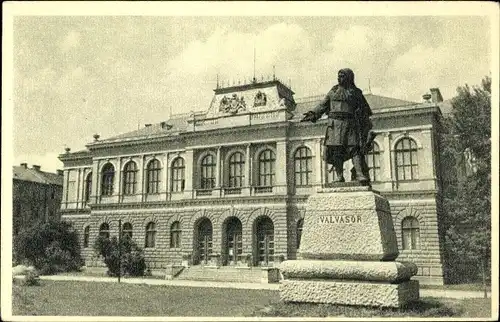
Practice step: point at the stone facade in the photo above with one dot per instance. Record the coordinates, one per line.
(258, 219)
(36, 195)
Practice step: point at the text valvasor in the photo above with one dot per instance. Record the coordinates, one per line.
(340, 219)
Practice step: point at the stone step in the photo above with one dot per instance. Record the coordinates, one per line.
(221, 274)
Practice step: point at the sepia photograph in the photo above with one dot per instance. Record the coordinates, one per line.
(249, 160)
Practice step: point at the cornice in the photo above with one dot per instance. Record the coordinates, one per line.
(85, 211)
(192, 203)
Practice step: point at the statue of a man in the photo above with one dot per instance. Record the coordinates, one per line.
(348, 134)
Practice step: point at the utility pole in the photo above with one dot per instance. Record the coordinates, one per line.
(119, 249)
(254, 79)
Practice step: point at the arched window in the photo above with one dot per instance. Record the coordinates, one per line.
(153, 176)
(236, 170)
(303, 166)
(88, 187)
(178, 175)
(410, 233)
(129, 178)
(208, 172)
(108, 175)
(267, 161)
(175, 235)
(373, 162)
(86, 236)
(127, 230)
(150, 235)
(300, 224)
(104, 230)
(406, 160)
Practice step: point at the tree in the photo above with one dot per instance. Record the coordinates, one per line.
(51, 247)
(467, 199)
(132, 261)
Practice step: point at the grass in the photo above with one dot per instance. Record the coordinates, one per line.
(458, 287)
(71, 298)
(426, 307)
(93, 273)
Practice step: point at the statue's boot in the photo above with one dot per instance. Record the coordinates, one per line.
(360, 168)
(339, 171)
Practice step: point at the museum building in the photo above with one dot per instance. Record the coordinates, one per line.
(228, 186)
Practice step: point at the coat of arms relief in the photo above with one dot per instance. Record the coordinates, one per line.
(260, 99)
(232, 105)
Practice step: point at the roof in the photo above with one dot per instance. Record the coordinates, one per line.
(32, 175)
(174, 125)
(376, 102)
(179, 122)
(446, 107)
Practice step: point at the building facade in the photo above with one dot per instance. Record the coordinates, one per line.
(36, 195)
(230, 184)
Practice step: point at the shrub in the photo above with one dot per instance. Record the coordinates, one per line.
(132, 256)
(50, 247)
(31, 279)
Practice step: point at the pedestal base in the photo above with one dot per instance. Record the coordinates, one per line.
(349, 292)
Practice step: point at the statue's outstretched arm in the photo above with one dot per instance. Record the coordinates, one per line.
(318, 111)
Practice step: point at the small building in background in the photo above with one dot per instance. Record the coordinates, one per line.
(36, 195)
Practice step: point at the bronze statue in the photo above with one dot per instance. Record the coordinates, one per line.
(348, 134)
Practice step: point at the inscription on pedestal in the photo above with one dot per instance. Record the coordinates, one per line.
(345, 219)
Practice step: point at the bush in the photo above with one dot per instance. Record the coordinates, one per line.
(31, 279)
(132, 256)
(50, 247)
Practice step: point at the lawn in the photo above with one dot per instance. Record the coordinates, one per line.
(458, 287)
(70, 298)
(112, 299)
(426, 307)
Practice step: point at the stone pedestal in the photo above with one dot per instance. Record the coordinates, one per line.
(347, 252)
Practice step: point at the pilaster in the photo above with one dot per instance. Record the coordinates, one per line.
(218, 169)
(96, 187)
(387, 164)
(188, 174)
(248, 164)
(281, 167)
(140, 178)
(318, 163)
(65, 188)
(118, 177)
(164, 188)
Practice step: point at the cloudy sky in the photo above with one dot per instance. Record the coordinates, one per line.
(80, 75)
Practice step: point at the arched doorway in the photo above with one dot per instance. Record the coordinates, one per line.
(233, 244)
(204, 241)
(264, 232)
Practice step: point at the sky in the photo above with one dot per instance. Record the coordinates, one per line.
(74, 76)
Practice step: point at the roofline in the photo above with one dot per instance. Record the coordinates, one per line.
(38, 182)
(237, 88)
(311, 98)
(75, 155)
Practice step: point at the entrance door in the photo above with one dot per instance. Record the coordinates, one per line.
(265, 242)
(234, 249)
(234, 244)
(204, 241)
